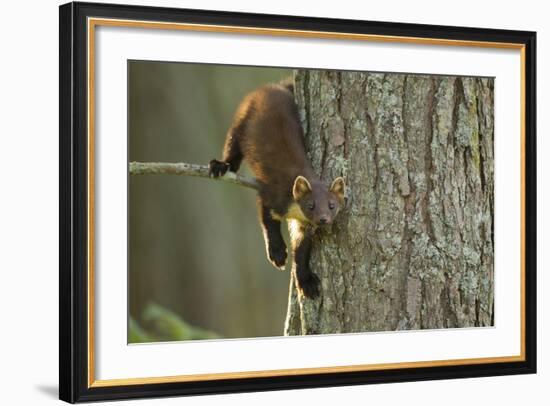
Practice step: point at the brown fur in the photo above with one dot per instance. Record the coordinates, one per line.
(273, 144)
(266, 133)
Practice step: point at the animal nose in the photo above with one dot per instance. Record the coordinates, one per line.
(323, 220)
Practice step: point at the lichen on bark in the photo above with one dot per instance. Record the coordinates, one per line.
(413, 247)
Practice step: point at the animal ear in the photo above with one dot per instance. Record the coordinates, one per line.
(338, 187)
(301, 187)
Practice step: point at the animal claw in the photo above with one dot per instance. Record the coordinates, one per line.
(277, 257)
(217, 168)
(309, 287)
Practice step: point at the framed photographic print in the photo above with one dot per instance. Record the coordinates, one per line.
(257, 202)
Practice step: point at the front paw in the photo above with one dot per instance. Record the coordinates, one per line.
(217, 168)
(309, 286)
(277, 256)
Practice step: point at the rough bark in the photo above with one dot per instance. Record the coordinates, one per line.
(413, 248)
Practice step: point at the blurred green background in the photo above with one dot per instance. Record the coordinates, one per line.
(197, 265)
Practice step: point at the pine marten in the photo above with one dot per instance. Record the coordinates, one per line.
(267, 134)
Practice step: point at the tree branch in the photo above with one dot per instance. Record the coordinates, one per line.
(180, 168)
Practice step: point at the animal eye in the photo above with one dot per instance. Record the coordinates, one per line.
(331, 206)
(311, 206)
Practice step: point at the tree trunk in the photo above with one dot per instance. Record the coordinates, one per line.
(413, 248)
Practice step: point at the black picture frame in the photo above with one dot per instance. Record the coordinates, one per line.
(73, 284)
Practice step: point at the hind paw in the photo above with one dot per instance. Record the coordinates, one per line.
(217, 168)
(309, 287)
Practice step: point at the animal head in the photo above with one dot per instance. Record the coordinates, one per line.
(319, 204)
